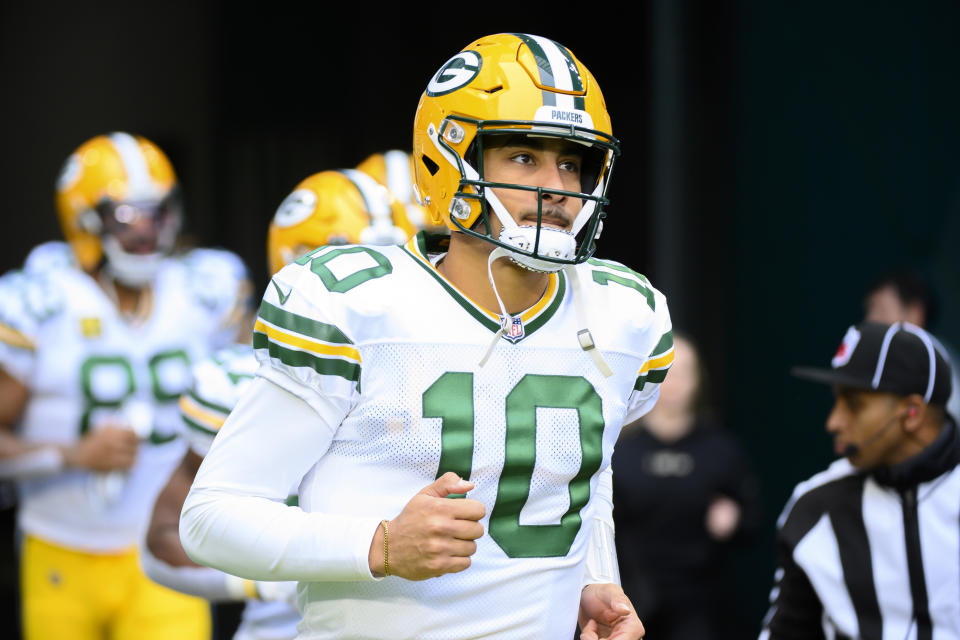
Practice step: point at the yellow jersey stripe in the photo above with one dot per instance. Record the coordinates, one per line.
(657, 363)
(548, 296)
(318, 348)
(16, 339)
(200, 414)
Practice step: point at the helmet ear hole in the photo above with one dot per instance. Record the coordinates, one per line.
(430, 165)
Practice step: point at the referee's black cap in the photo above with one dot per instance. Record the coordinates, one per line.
(900, 358)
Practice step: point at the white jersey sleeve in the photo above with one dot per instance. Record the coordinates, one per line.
(49, 256)
(26, 301)
(218, 384)
(299, 342)
(628, 284)
(307, 384)
(234, 518)
(219, 281)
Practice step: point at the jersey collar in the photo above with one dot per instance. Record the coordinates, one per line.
(533, 318)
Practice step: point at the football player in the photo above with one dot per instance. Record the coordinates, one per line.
(395, 380)
(95, 350)
(328, 208)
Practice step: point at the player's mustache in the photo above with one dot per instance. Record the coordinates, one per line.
(552, 213)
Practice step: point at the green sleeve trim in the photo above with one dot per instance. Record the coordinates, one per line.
(304, 326)
(290, 357)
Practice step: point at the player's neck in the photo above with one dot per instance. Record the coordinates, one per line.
(126, 299)
(465, 265)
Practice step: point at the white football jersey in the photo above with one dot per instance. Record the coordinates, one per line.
(54, 254)
(86, 365)
(218, 384)
(380, 333)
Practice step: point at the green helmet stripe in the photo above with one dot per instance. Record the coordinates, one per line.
(575, 78)
(543, 64)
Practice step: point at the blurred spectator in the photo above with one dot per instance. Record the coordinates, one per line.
(906, 296)
(683, 493)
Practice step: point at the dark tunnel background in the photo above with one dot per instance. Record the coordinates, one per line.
(777, 157)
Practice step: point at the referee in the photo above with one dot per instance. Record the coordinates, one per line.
(870, 548)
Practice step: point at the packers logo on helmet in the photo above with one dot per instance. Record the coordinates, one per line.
(457, 72)
(512, 85)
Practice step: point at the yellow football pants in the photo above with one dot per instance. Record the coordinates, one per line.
(86, 596)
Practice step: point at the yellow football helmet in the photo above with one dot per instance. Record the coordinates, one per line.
(335, 207)
(110, 185)
(394, 170)
(512, 84)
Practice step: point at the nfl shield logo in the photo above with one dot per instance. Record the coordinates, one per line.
(512, 328)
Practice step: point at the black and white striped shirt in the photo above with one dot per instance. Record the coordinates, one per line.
(872, 555)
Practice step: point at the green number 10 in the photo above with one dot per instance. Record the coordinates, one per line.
(451, 399)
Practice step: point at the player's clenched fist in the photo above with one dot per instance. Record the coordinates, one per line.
(105, 449)
(433, 535)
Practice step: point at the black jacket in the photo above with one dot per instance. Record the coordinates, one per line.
(872, 555)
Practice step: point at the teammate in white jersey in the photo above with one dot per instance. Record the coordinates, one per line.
(393, 379)
(95, 350)
(331, 207)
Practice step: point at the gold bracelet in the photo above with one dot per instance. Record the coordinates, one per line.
(386, 548)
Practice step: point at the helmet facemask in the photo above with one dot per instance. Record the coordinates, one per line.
(136, 235)
(535, 247)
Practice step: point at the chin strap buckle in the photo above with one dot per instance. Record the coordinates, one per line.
(586, 340)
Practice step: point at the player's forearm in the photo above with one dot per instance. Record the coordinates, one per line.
(602, 565)
(211, 584)
(193, 580)
(163, 543)
(259, 539)
(234, 518)
(20, 460)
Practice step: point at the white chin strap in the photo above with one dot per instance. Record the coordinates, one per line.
(584, 337)
(131, 269)
(554, 243)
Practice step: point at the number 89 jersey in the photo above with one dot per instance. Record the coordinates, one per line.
(86, 366)
(381, 334)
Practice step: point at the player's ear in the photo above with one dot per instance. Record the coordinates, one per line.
(914, 411)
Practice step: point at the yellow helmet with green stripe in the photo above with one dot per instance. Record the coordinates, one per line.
(511, 84)
(394, 170)
(335, 207)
